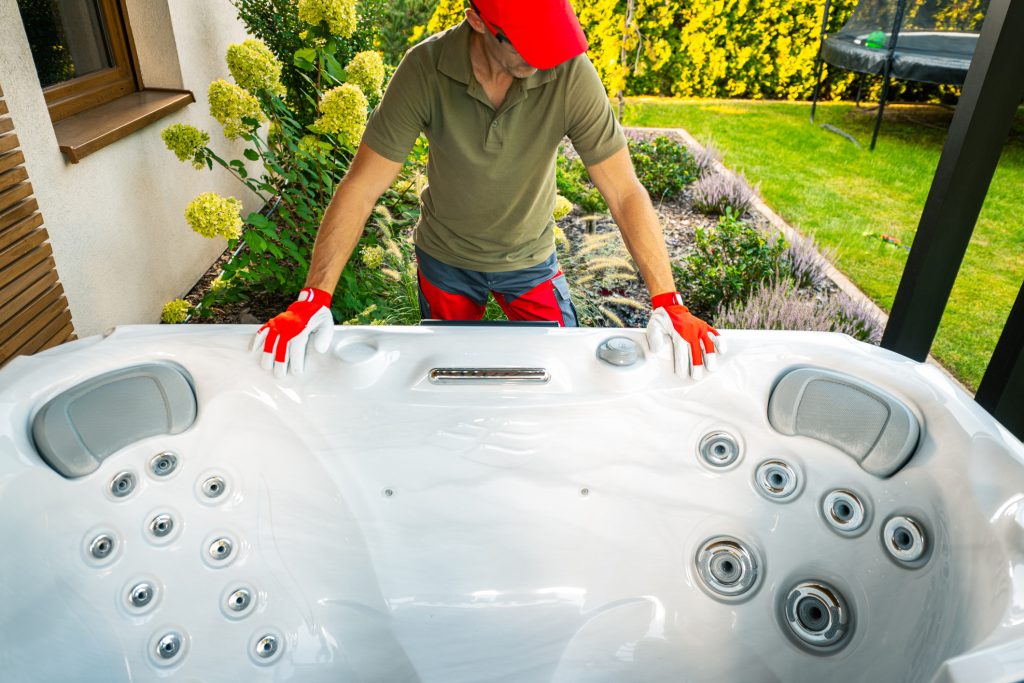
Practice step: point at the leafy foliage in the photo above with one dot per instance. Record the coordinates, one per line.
(574, 184)
(399, 19)
(727, 263)
(663, 166)
(446, 14)
(277, 23)
(301, 162)
(756, 49)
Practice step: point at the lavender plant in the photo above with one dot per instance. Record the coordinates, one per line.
(715, 193)
(805, 263)
(705, 158)
(857, 320)
(780, 305)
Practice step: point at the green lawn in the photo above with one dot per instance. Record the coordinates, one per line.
(847, 197)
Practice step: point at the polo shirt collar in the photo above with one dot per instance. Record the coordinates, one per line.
(455, 63)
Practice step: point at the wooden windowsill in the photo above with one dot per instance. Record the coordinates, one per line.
(82, 134)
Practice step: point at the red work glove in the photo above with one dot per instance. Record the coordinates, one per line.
(702, 339)
(283, 338)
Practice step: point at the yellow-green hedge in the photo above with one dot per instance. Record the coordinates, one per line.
(753, 49)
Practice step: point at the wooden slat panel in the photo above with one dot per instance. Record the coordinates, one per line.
(34, 312)
(13, 177)
(9, 275)
(21, 248)
(39, 288)
(41, 270)
(12, 196)
(29, 321)
(43, 323)
(64, 334)
(8, 142)
(18, 212)
(20, 230)
(11, 160)
(36, 341)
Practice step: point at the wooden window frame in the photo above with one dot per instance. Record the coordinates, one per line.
(87, 92)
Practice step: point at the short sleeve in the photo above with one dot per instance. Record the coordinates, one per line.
(403, 112)
(590, 119)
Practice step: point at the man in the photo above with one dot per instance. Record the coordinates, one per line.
(494, 96)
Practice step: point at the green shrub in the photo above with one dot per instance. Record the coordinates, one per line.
(663, 166)
(727, 263)
(400, 18)
(574, 184)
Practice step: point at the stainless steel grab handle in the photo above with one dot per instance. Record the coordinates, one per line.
(489, 376)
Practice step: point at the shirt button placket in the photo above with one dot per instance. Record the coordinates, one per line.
(494, 135)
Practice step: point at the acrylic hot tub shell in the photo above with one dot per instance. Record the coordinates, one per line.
(386, 528)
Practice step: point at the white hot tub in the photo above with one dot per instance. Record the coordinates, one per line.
(457, 504)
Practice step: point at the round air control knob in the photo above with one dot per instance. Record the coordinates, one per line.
(620, 351)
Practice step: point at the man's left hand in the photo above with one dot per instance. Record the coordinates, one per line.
(702, 339)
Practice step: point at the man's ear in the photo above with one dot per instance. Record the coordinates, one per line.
(475, 22)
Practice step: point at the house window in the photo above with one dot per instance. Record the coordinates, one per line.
(81, 52)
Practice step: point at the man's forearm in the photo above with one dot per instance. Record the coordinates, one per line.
(338, 236)
(641, 231)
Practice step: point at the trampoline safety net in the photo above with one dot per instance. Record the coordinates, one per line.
(935, 39)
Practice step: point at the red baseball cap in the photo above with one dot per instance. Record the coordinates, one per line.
(544, 32)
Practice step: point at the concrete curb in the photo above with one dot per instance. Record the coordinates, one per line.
(841, 281)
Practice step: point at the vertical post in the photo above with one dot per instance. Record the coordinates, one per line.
(981, 124)
(890, 56)
(1002, 388)
(818, 60)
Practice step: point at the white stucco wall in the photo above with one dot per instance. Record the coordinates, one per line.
(116, 219)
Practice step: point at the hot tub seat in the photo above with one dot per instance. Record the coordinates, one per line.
(864, 421)
(75, 430)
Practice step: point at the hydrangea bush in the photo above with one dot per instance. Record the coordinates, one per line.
(301, 155)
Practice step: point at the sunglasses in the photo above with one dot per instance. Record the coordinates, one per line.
(502, 38)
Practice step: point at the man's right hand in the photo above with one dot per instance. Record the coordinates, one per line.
(283, 339)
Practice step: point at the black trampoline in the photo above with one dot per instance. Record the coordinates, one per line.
(928, 41)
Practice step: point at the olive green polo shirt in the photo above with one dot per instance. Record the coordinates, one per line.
(491, 173)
